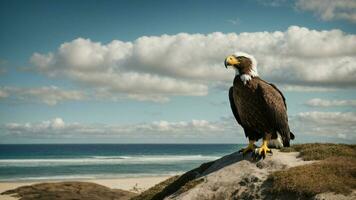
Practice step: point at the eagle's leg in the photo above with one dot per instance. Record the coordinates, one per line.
(250, 148)
(263, 150)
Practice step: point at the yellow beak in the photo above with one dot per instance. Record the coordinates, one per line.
(231, 61)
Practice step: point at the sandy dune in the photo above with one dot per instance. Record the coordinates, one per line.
(130, 184)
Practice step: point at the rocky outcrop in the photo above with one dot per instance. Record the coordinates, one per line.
(233, 177)
(230, 177)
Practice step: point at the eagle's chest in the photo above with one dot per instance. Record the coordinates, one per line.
(247, 100)
(245, 93)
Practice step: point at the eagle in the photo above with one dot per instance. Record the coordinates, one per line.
(258, 106)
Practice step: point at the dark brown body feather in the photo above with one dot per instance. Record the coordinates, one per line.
(260, 108)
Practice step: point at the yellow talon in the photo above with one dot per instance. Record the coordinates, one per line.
(250, 148)
(263, 150)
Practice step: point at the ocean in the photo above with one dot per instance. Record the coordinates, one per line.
(33, 162)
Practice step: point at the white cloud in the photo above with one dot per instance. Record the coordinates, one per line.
(57, 128)
(332, 118)
(235, 21)
(101, 66)
(41, 128)
(301, 88)
(157, 67)
(57, 123)
(337, 125)
(50, 95)
(307, 126)
(273, 3)
(147, 97)
(330, 9)
(316, 102)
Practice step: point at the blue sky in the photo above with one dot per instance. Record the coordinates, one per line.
(121, 71)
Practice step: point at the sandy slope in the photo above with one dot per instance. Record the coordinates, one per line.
(130, 184)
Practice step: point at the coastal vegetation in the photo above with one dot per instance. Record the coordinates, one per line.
(334, 171)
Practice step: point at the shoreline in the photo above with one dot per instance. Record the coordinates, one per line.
(134, 184)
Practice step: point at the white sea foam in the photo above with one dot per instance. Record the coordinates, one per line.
(91, 176)
(105, 160)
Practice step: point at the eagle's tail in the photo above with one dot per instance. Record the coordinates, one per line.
(286, 142)
(280, 141)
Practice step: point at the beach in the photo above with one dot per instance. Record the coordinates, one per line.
(130, 184)
(130, 167)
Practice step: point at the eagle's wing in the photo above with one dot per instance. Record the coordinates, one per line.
(276, 109)
(275, 87)
(285, 104)
(249, 132)
(284, 99)
(233, 106)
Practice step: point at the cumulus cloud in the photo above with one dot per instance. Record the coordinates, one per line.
(316, 102)
(58, 128)
(330, 9)
(307, 126)
(40, 128)
(339, 125)
(157, 67)
(50, 95)
(272, 3)
(301, 88)
(102, 67)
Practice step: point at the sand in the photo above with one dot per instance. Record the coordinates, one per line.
(130, 184)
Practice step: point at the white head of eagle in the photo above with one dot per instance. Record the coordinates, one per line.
(244, 64)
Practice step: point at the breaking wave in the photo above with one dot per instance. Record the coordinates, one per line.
(105, 160)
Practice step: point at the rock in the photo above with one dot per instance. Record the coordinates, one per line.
(233, 177)
(230, 177)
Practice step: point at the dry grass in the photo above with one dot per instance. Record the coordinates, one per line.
(336, 172)
(69, 190)
(154, 193)
(150, 193)
(177, 184)
(191, 184)
(331, 175)
(318, 151)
